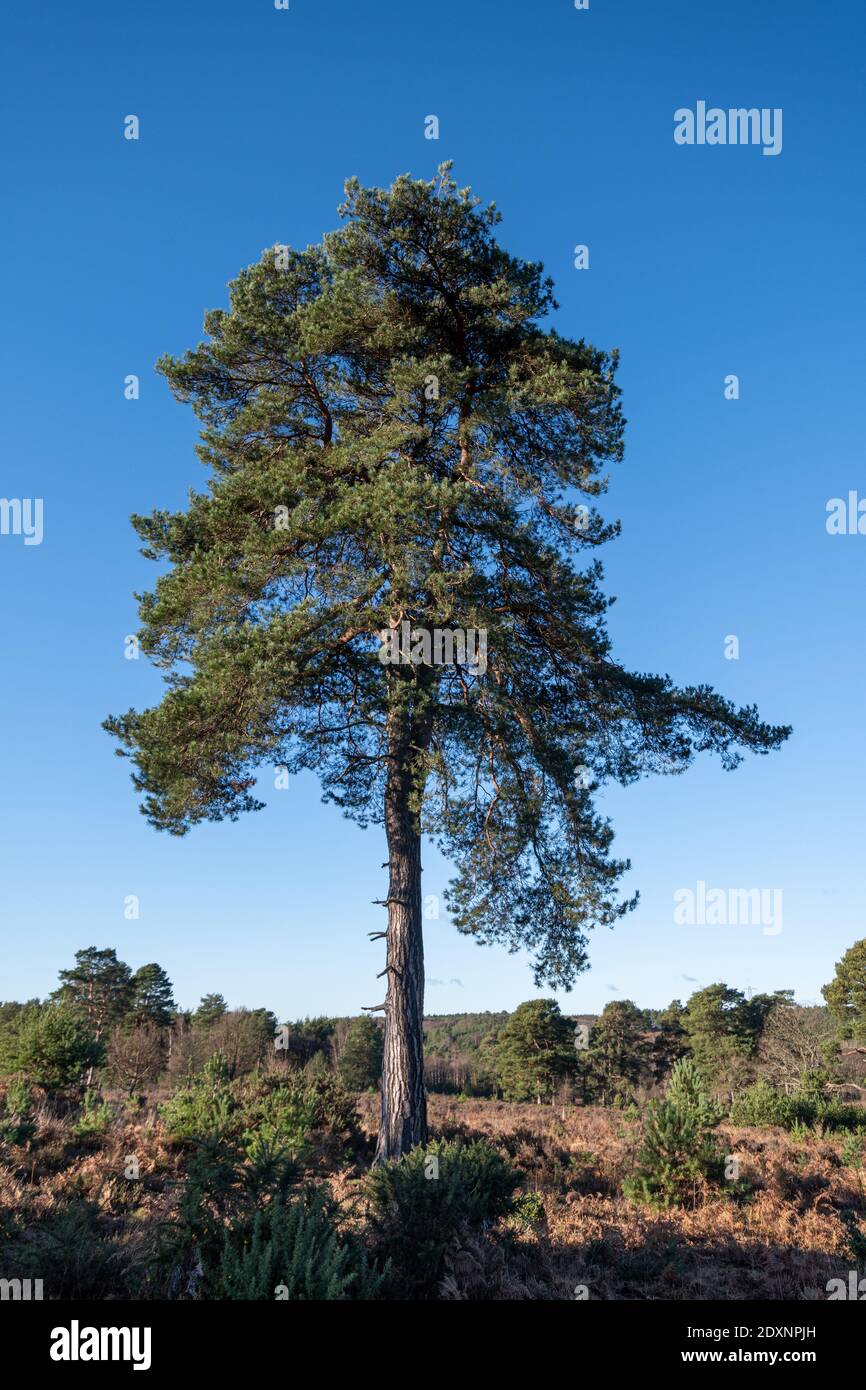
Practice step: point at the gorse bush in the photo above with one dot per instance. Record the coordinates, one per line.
(291, 1250)
(422, 1202)
(249, 1142)
(854, 1151)
(527, 1211)
(226, 1184)
(69, 1251)
(678, 1149)
(764, 1105)
(853, 1245)
(279, 1108)
(333, 1109)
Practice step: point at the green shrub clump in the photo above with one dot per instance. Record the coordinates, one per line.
(291, 1251)
(766, 1106)
(94, 1117)
(204, 1107)
(423, 1202)
(279, 1111)
(761, 1104)
(679, 1149)
(52, 1045)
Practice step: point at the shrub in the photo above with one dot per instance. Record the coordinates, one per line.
(764, 1105)
(202, 1108)
(281, 1119)
(678, 1145)
(291, 1250)
(527, 1211)
(832, 1115)
(287, 1110)
(18, 1125)
(761, 1104)
(69, 1252)
(853, 1151)
(53, 1046)
(333, 1109)
(249, 1140)
(94, 1117)
(854, 1240)
(18, 1101)
(422, 1202)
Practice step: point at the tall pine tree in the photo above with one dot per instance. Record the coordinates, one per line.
(393, 439)
(98, 987)
(152, 997)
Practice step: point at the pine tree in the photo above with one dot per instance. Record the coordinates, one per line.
(399, 447)
(151, 996)
(360, 1064)
(846, 993)
(535, 1051)
(54, 1045)
(212, 1007)
(98, 987)
(618, 1052)
(678, 1148)
(669, 1040)
(723, 1027)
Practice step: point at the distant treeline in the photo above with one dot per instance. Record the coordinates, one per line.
(106, 1022)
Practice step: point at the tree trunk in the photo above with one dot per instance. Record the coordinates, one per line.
(403, 1121)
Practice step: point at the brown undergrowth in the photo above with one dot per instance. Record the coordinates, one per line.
(781, 1232)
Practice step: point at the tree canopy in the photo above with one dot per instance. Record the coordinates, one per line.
(392, 435)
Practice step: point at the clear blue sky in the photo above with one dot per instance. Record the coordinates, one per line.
(703, 262)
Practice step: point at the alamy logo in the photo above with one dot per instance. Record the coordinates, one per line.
(20, 1290)
(737, 126)
(22, 516)
(846, 517)
(419, 646)
(729, 907)
(76, 1343)
(855, 1290)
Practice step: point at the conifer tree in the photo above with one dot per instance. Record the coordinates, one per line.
(360, 1064)
(98, 987)
(152, 1000)
(678, 1148)
(846, 993)
(535, 1050)
(398, 445)
(669, 1041)
(618, 1052)
(211, 1007)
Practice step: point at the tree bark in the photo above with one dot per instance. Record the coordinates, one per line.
(403, 1122)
